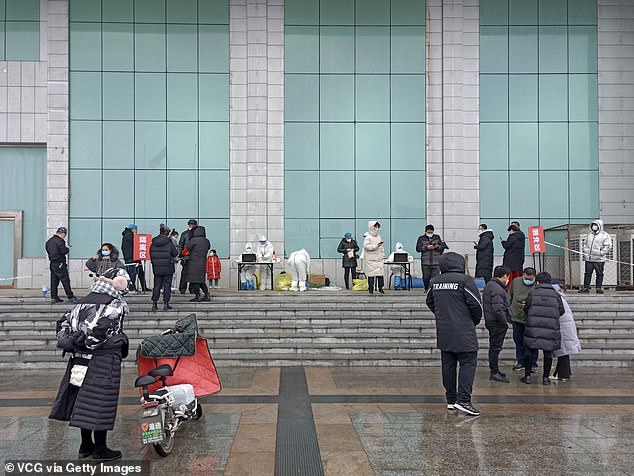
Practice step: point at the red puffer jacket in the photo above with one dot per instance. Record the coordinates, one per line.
(213, 267)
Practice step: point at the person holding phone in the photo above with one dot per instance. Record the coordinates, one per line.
(374, 255)
(431, 247)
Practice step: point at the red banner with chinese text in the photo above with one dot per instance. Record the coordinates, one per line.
(536, 240)
(142, 247)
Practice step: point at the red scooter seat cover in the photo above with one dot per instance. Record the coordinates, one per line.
(198, 370)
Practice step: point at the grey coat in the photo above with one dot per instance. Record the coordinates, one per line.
(569, 340)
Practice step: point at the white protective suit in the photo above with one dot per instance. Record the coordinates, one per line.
(298, 266)
(397, 269)
(264, 252)
(362, 254)
(598, 244)
(247, 271)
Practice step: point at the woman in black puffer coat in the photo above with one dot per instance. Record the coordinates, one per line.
(543, 308)
(162, 253)
(198, 247)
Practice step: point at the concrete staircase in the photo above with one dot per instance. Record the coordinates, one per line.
(314, 328)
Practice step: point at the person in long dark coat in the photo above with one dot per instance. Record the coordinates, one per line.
(349, 248)
(92, 331)
(162, 253)
(514, 252)
(197, 268)
(484, 254)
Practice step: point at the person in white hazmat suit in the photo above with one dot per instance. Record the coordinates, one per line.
(595, 252)
(298, 264)
(397, 270)
(264, 253)
(246, 276)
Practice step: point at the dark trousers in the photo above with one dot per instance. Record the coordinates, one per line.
(59, 274)
(197, 287)
(182, 285)
(132, 272)
(563, 370)
(497, 333)
(548, 361)
(587, 277)
(100, 439)
(346, 275)
(520, 350)
(429, 271)
(468, 362)
(379, 280)
(165, 282)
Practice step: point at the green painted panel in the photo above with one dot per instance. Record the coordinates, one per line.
(336, 12)
(302, 146)
(372, 12)
(584, 145)
(494, 49)
(372, 189)
(336, 49)
(522, 193)
(494, 146)
(150, 193)
(302, 194)
(118, 204)
(301, 12)
(182, 97)
(408, 12)
(118, 96)
(553, 12)
(522, 12)
(214, 145)
(494, 98)
(301, 51)
(301, 101)
(213, 51)
(336, 145)
(407, 49)
(149, 96)
(118, 47)
(553, 97)
(85, 46)
(336, 194)
(553, 195)
(583, 97)
(553, 49)
(523, 97)
(494, 12)
(408, 98)
(182, 146)
(582, 49)
(182, 48)
(372, 146)
(407, 194)
(407, 146)
(523, 142)
(372, 102)
(118, 145)
(85, 144)
(523, 49)
(372, 54)
(553, 146)
(496, 184)
(336, 97)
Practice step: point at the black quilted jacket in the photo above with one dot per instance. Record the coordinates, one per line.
(543, 307)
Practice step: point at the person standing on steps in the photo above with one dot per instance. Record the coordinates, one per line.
(484, 253)
(214, 268)
(349, 248)
(518, 293)
(595, 250)
(373, 257)
(569, 340)
(57, 250)
(183, 253)
(197, 267)
(455, 301)
(496, 318)
(514, 251)
(162, 253)
(431, 247)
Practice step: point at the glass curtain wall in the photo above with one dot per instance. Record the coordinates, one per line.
(354, 121)
(149, 118)
(20, 30)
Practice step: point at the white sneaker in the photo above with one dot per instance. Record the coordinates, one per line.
(451, 406)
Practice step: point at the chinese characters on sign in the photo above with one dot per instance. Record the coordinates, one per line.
(536, 241)
(142, 247)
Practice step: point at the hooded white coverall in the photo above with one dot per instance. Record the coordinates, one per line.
(299, 266)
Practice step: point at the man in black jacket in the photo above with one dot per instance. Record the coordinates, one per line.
(431, 247)
(484, 253)
(183, 253)
(127, 249)
(455, 301)
(162, 253)
(514, 251)
(497, 316)
(57, 250)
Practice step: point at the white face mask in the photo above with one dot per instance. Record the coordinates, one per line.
(429, 234)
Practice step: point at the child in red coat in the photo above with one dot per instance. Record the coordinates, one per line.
(213, 269)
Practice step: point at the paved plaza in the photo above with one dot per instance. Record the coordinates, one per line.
(355, 421)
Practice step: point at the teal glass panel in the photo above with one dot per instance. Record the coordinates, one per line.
(86, 193)
(582, 12)
(149, 11)
(553, 49)
(553, 146)
(301, 12)
(182, 11)
(336, 49)
(182, 97)
(583, 97)
(2, 9)
(150, 193)
(407, 194)
(213, 97)
(213, 12)
(337, 228)
(149, 47)
(494, 98)
(407, 232)
(553, 195)
(213, 52)
(118, 47)
(302, 146)
(372, 12)
(117, 10)
(523, 49)
(407, 146)
(2, 40)
(301, 233)
(408, 49)
(301, 102)
(494, 49)
(372, 192)
(112, 228)
(523, 194)
(301, 49)
(214, 145)
(584, 194)
(85, 46)
(553, 12)
(408, 98)
(182, 48)
(582, 49)
(85, 95)
(494, 146)
(362, 227)
(150, 145)
(118, 145)
(118, 204)
(218, 235)
(22, 40)
(336, 146)
(85, 144)
(118, 96)
(336, 12)
(522, 12)
(149, 97)
(553, 97)
(523, 97)
(84, 236)
(26, 10)
(523, 150)
(182, 192)
(328, 248)
(301, 192)
(23, 187)
(372, 49)
(408, 12)
(373, 146)
(372, 97)
(336, 97)
(584, 145)
(336, 194)
(85, 10)
(182, 146)
(7, 264)
(494, 12)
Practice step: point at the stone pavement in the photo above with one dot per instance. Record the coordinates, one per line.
(358, 421)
